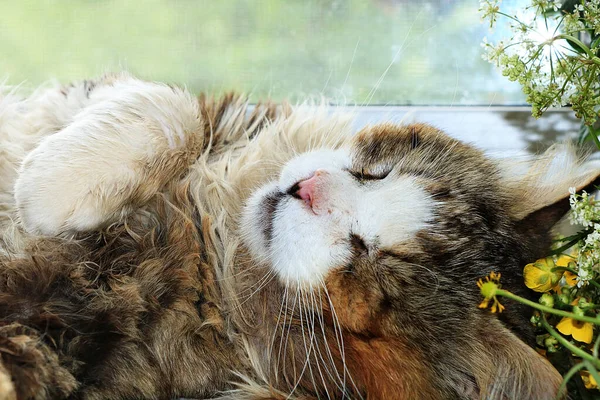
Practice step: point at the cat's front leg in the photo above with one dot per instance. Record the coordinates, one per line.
(120, 150)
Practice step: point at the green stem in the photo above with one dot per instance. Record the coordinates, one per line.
(511, 17)
(589, 82)
(596, 347)
(592, 56)
(595, 284)
(567, 80)
(565, 246)
(538, 306)
(579, 235)
(563, 386)
(568, 345)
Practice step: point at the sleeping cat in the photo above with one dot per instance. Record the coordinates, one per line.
(154, 245)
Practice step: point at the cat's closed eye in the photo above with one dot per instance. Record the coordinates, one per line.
(362, 176)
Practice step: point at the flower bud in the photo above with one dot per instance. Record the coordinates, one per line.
(578, 311)
(547, 300)
(584, 303)
(551, 344)
(563, 299)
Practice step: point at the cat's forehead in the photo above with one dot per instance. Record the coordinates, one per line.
(419, 149)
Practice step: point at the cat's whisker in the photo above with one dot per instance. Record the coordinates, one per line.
(307, 361)
(336, 379)
(339, 380)
(432, 273)
(312, 343)
(249, 288)
(266, 280)
(281, 311)
(310, 350)
(248, 265)
(285, 337)
(351, 63)
(325, 341)
(340, 340)
(310, 320)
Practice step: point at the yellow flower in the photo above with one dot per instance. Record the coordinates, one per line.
(567, 262)
(564, 260)
(570, 278)
(488, 291)
(539, 275)
(588, 380)
(579, 330)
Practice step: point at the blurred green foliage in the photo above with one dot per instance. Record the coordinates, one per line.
(351, 52)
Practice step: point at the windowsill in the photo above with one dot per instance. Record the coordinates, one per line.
(498, 130)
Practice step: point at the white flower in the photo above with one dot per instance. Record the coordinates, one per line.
(593, 239)
(489, 10)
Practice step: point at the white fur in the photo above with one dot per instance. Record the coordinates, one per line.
(86, 174)
(308, 242)
(303, 166)
(24, 121)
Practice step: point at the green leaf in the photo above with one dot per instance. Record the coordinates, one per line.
(584, 134)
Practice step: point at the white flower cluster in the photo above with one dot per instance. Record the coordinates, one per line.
(586, 212)
(588, 11)
(546, 56)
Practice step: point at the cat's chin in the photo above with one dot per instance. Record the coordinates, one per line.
(284, 233)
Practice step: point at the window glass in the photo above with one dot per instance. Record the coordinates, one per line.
(386, 52)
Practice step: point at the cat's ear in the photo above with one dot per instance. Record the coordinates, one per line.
(538, 189)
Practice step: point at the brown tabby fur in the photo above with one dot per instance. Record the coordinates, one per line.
(139, 310)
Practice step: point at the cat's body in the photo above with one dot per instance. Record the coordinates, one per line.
(351, 274)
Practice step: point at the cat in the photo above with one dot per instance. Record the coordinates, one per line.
(156, 245)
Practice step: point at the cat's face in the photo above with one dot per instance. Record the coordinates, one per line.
(401, 196)
(327, 209)
(395, 230)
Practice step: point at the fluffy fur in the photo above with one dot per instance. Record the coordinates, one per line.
(143, 254)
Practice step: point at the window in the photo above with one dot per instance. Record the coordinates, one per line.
(376, 52)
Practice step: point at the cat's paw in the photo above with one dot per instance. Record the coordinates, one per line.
(118, 152)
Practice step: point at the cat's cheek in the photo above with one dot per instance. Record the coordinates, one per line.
(256, 224)
(355, 307)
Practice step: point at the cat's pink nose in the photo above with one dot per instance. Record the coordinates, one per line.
(307, 188)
